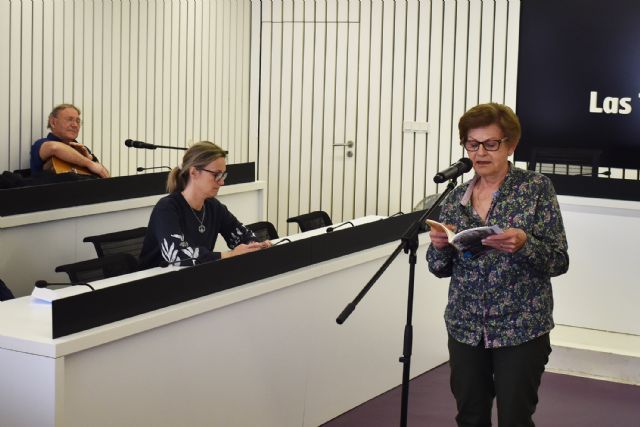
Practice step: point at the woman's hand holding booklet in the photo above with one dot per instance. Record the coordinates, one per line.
(469, 241)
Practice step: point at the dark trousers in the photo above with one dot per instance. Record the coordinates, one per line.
(511, 374)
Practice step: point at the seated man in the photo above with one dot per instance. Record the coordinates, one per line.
(64, 122)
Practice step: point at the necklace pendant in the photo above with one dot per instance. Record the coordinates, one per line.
(202, 229)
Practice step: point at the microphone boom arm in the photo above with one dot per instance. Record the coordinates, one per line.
(140, 144)
(171, 147)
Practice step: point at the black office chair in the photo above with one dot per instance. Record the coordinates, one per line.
(99, 268)
(11, 180)
(25, 173)
(5, 292)
(311, 220)
(263, 230)
(427, 203)
(126, 241)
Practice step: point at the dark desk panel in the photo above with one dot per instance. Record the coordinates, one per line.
(66, 194)
(91, 309)
(602, 188)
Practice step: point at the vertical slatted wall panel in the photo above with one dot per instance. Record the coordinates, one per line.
(168, 72)
(336, 71)
(5, 84)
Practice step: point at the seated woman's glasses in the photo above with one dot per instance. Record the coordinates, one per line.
(217, 175)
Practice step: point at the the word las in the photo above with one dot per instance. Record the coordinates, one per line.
(610, 105)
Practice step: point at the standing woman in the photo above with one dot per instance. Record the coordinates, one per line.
(185, 224)
(499, 311)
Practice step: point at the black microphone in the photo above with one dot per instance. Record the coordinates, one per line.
(45, 284)
(281, 241)
(330, 229)
(139, 144)
(140, 168)
(454, 171)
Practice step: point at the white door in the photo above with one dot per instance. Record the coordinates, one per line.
(308, 101)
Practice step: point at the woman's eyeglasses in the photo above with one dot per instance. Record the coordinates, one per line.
(489, 144)
(217, 175)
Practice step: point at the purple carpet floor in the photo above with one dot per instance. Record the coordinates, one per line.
(565, 401)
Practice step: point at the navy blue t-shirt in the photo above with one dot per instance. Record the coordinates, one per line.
(173, 235)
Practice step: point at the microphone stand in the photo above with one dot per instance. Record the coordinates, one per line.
(409, 243)
(169, 146)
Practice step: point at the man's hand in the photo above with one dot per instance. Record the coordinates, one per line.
(98, 169)
(81, 149)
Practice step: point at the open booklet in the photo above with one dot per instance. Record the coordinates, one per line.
(469, 241)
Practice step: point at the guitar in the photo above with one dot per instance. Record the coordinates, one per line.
(59, 166)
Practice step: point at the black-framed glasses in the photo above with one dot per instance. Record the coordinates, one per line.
(217, 175)
(489, 144)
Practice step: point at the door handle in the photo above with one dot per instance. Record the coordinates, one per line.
(349, 144)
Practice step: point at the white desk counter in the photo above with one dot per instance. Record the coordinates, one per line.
(32, 245)
(266, 353)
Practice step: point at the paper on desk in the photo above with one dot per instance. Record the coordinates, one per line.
(48, 295)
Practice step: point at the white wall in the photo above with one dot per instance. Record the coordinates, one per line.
(600, 290)
(338, 71)
(162, 71)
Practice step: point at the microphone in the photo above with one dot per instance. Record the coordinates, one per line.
(454, 171)
(139, 144)
(45, 284)
(330, 229)
(281, 241)
(140, 168)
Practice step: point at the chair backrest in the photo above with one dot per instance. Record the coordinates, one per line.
(311, 220)
(99, 268)
(564, 157)
(25, 173)
(427, 203)
(125, 241)
(263, 230)
(5, 293)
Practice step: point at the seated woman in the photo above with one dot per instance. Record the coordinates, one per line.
(184, 225)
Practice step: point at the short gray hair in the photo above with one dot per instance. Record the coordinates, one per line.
(54, 113)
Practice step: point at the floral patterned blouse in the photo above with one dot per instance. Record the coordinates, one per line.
(178, 235)
(504, 299)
